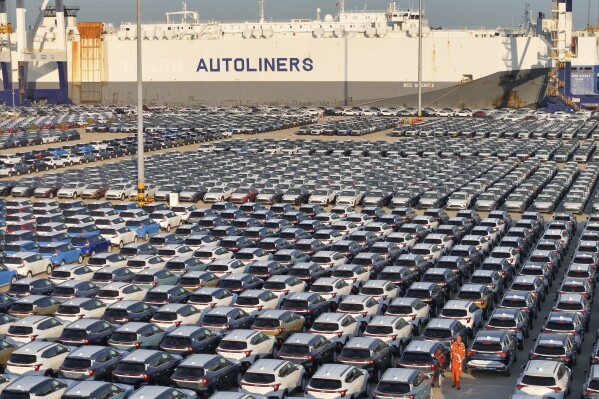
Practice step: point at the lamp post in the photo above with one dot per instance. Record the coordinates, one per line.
(419, 58)
(141, 189)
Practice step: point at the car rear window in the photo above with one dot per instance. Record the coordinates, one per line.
(215, 319)
(259, 378)
(416, 357)
(20, 330)
(189, 372)
(130, 367)
(323, 383)
(14, 395)
(264, 322)
(18, 358)
(454, 312)
(393, 387)
(71, 333)
(437, 333)
(538, 380)
(77, 364)
(486, 346)
(371, 329)
(550, 350)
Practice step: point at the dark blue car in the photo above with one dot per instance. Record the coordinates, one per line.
(91, 244)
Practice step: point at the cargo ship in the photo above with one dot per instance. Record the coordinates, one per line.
(352, 58)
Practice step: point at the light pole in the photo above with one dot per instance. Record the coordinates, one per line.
(419, 58)
(141, 189)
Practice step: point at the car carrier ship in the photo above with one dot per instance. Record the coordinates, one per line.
(352, 58)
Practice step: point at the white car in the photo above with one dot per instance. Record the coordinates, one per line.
(72, 159)
(121, 191)
(362, 307)
(28, 264)
(143, 262)
(247, 346)
(38, 358)
(284, 378)
(167, 219)
(441, 240)
(207, 298)
(78, 308)
(328, 259)
(354, 275)
(467, 312)
(431, 252)
(412, 310)
(283, 285)
(171, 251)
(322, 196)
(210, 254)
(54, 162)
(120, 291)
(348, 382)
(176, 314)
(34, 328)
(184, 210)
(119, 235)
(255, 301)
(544, 378)
(71, 272)
(349, 197)
(382, 290)
(393, 330)
(338, 328)
(332, 289)
(218, 194)
(459, 200)
(37, 387)
(71, 190)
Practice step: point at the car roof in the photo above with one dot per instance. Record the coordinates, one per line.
(87, 351)
(199, 360)
(266, 365)
(83, 324)
(541, 367)
(27, 383)
(140, 355)
(329, 371)
(399, 374)
(458, 304)
(34, 347)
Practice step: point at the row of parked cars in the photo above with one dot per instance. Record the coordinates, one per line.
(532, 128)
(349, 127)
(26, 139)
(323, 173)
(359, 292)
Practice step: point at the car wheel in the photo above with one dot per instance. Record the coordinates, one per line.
(168, 228)
(121, 245)
(13, 280)
(51, 195)
(54, 166)
(92, 253)
(18, 173)
(29, 274)
(135, 239)
(147, 237)
(122, 197)
(80, 259)
(49, 270)
(37, 170)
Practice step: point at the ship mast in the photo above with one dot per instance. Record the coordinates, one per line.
(341, 5)
(261, 4)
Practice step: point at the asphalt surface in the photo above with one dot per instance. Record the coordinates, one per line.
(474, 385)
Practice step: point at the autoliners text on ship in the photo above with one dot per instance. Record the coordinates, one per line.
(261, 64)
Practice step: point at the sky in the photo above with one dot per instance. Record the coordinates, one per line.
(446, 13)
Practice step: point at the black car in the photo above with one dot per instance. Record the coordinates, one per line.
(496, 349)
(445, 330)
(308, 350)
(186, 340)
(557, 347)
(470, 254)
(144, 366)
(457, 265)
(127, 311)
(308, 272)
(429, 293)
(401, 276)
(309, 305)
(86, 332)
(31, 286)
(207, 374)
(370, 354)
(444, 278)
(90, 362)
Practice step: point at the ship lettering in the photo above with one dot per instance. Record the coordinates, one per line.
(263, 64)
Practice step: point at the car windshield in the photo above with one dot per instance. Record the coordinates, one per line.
(324, 383)
(415, 357)
(538, 380)
(502, 322)
(447, 312)
(320, 326)
(123, 336)
(351, 307)
(437, 333)
(77, 364)
(130, 367)
(393, 387)
(189, 372)
(67, 310)
(295, 349)
(486, 346)
(265, 322)
(550, 350)
(259, 378)
(381, 330)
(215, 319)
(322, 288)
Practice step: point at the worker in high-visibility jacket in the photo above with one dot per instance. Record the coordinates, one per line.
(458, 354)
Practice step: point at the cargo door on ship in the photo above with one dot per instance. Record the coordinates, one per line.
(87, 63)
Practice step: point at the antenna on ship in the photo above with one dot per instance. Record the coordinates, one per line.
(341, 4)
(261, 3)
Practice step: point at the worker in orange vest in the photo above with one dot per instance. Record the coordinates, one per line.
(458, 354)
